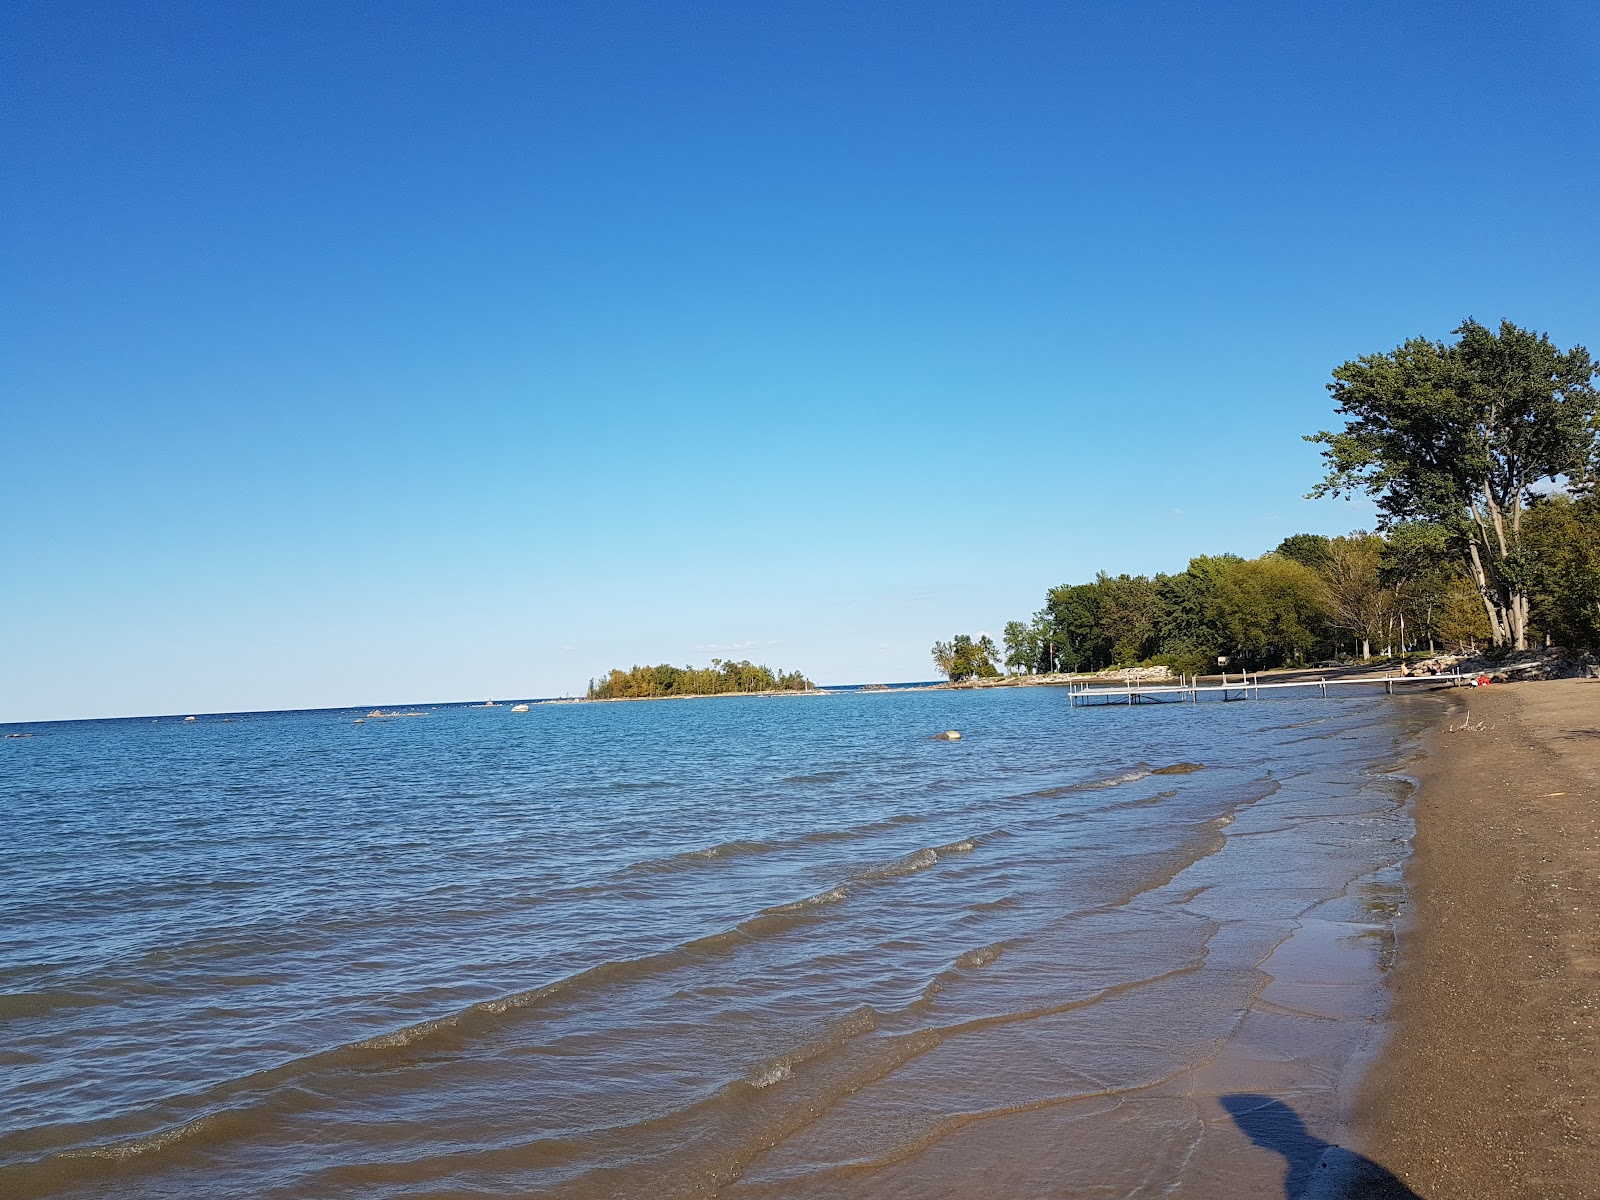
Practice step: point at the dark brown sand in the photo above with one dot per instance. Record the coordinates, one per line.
(1490, 1084)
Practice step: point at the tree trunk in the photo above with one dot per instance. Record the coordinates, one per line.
(1519, 620)
(1366, 649)
(1497, 625)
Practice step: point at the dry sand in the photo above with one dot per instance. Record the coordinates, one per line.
(1490, 1083)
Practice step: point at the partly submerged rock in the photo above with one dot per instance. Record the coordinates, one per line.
(949, 735)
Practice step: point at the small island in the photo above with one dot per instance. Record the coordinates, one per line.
(719, 679)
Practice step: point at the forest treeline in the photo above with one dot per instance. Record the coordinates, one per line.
(720, 678)
(1317, 598)
(1482, 456)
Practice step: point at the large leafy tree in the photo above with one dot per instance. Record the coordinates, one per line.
(1460, 434)
(1028, 647)
(966, 657)
(1418, 570)
(1357, 601)
(1130, 610)
(1307, 549)
(1072, 613)
(1271, 609)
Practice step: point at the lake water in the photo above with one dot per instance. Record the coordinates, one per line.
(737, 947)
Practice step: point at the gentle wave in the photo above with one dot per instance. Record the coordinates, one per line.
(691, 859)
(963, 965)
(782, 1095)
(1092, 785)
(1147, 801)
(862, 1021)
(917, 860)
(1132, 775)
(399, 1047)
(740, 848)
(834, 895)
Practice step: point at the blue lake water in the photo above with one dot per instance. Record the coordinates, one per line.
(774, 946)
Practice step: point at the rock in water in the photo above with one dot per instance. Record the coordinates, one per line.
(949, 735)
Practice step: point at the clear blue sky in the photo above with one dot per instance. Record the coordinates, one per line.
(359, 353)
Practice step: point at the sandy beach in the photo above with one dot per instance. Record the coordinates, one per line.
(1490, 1084)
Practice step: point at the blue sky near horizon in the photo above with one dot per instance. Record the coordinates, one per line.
(362, 353)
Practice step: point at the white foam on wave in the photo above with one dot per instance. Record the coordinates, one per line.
(134, 1147)
(833, 895)
(1119, 780)
(768, 1076)
(918, 860)
(981, 957)
(398, 1038)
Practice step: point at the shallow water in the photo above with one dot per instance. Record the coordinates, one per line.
(784, 946)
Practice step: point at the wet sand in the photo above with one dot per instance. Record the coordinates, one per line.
(1490, 1084)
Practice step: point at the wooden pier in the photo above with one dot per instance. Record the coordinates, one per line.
(1248, 687)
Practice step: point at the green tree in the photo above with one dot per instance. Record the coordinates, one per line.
(1270, 609)
(1192, 628)
(1072, 612)
(1461, 620)
(1307, 549)
(1563, 541)
(1130, 614)
(1357, 603)
(1459, 434)
(1419, 570)
(1024, 647)
(965, 657)
(1044, 638)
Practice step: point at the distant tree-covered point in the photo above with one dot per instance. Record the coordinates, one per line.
(719, 679)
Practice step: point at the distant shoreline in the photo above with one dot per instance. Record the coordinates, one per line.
(690, 696)
(1057, 679)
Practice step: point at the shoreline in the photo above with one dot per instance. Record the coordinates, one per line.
(1488, 1084)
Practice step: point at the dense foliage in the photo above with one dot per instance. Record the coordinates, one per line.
(1316, 598)
(965, 657)
(1461, 436)
(1562, 541)
(719, 679)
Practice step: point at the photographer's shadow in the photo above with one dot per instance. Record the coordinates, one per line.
(1316, 1170)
